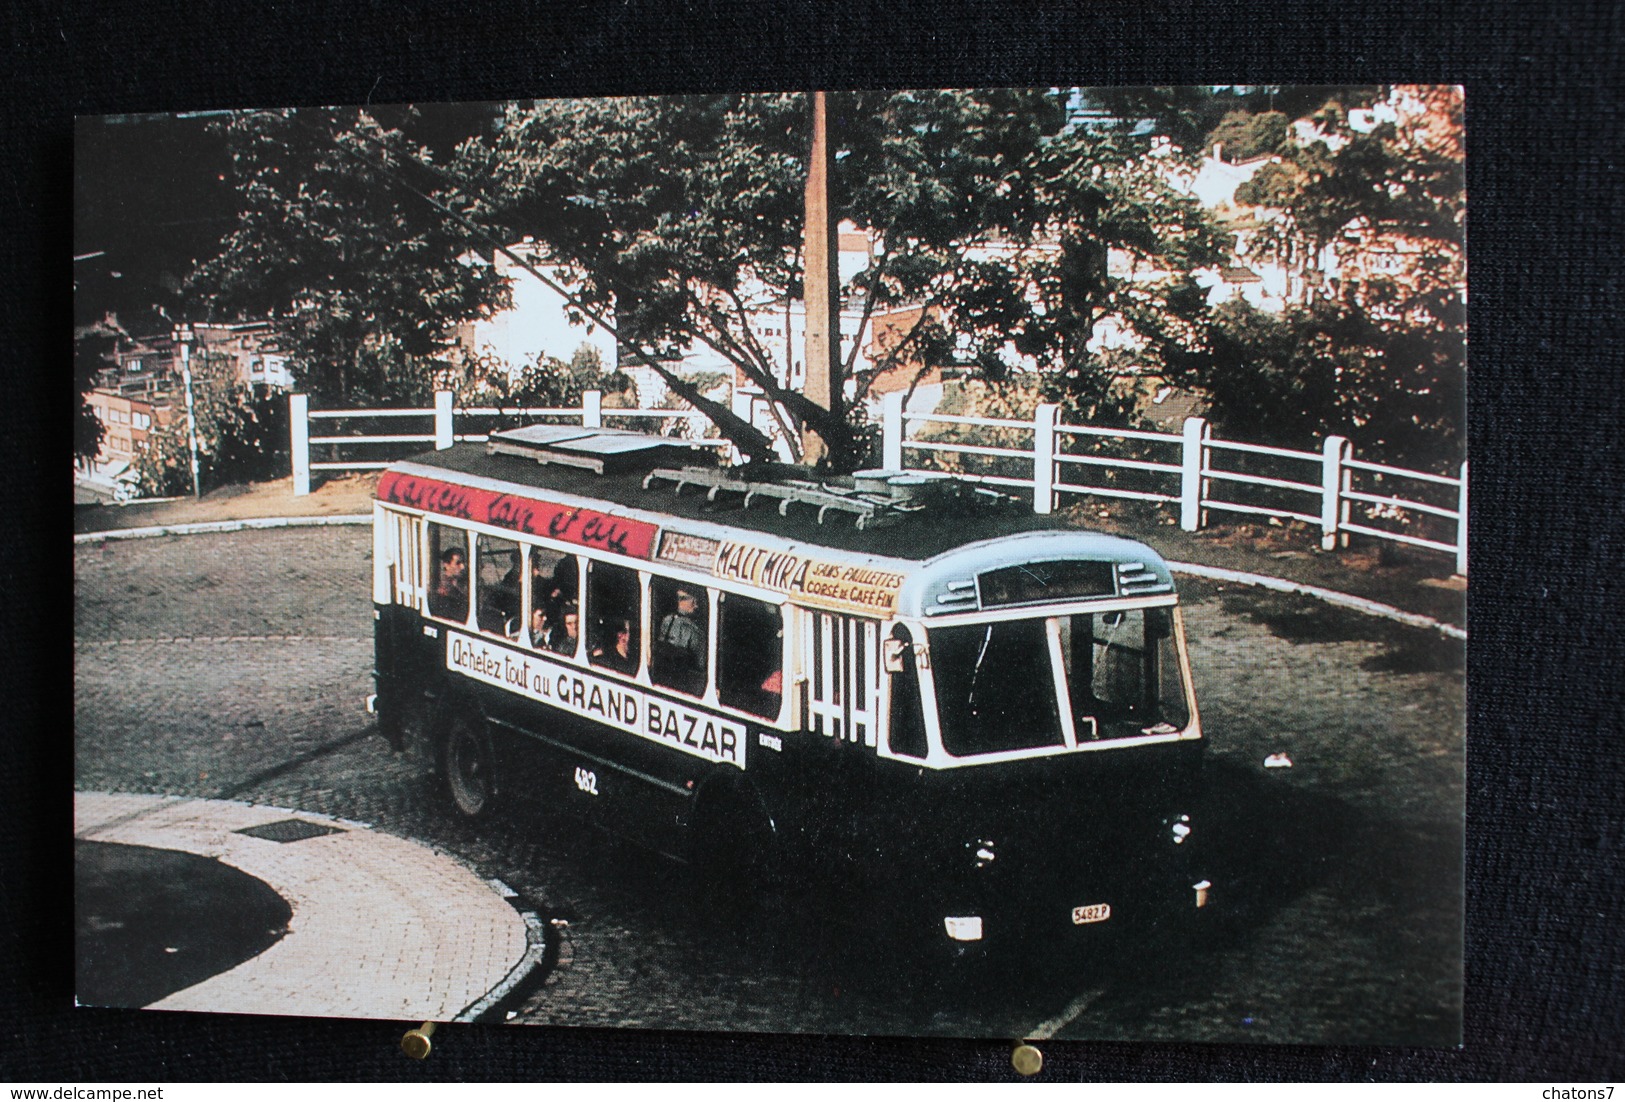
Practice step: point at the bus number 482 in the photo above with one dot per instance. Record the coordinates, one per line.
(587, 781)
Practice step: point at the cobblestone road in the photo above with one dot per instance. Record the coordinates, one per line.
(236, 666)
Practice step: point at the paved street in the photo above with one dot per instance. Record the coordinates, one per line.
(234, 667)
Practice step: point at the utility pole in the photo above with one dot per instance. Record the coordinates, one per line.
(183, 338)
(821, 287)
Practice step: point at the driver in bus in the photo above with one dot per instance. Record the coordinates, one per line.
(449, 598)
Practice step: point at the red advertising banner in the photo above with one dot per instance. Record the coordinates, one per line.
(571, 524)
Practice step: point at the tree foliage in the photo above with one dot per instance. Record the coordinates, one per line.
(242, 434)
(1008, 238)
(1328, 368)
(365, 280)
(1378, 353)
(988, 215)
(90, 353)
(1190, 115)
(1244, 136)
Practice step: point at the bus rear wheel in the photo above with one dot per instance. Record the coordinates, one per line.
(469, 767)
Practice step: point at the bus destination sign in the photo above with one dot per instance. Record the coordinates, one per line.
(625, 707)
(836, 586)
(572, 524)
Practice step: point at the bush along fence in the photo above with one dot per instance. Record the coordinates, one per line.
(1191, 470)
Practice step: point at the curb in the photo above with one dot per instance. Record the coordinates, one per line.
(1330, 596)
(1196, 570)
(212, 526)
(529, 972)
(326, 964)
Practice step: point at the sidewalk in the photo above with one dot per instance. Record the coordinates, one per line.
(377, 927)
(351, 494)
(1411, 580)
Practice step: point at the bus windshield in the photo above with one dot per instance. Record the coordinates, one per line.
(1005, 685)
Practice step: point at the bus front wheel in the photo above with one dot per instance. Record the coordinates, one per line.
(469, 767)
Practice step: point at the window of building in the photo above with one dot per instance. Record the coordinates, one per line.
(750, 655)
(614, 617)
(497, 594)
(448, 559)
(679, 657)
(555, 584)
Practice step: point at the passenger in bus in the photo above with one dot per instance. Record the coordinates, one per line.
(614, 650)
(681, 631)
(566, 634)
(681, 644)
(499, 604)
(552, 590)
(449, 597)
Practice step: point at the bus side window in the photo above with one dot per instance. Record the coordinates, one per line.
(613, 617)
(496, 590)
(906, 726)
(448, 558)
(677, 658)
(553, 585)
(750, 655)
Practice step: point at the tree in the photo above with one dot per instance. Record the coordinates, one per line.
(89, 357)
(1326, 368)
(1243, 135)
(989, 217)
(1379, 352)
(1190, 115)
(242, 434)
(365, 279)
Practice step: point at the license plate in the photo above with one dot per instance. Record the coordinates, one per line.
(1093, 912)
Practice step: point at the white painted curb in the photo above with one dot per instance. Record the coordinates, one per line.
(1196, 570)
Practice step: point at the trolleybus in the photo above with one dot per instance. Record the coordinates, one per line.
(944, 713)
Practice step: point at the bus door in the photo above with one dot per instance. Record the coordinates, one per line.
(843, 689)
(398, 592)
(841, 661)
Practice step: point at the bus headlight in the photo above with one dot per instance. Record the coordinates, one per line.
(967, 928)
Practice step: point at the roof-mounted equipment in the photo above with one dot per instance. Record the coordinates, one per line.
(602, 451)
(874, 498)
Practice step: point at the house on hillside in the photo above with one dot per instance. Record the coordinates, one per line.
(252, 347)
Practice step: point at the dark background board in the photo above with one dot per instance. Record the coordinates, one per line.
(1545, 971)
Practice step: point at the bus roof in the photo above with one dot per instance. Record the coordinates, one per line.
(959, 539)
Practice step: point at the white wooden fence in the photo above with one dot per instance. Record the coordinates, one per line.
(1327, 489)
(355, 450)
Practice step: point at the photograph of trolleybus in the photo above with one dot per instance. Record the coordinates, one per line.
(979, 563)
